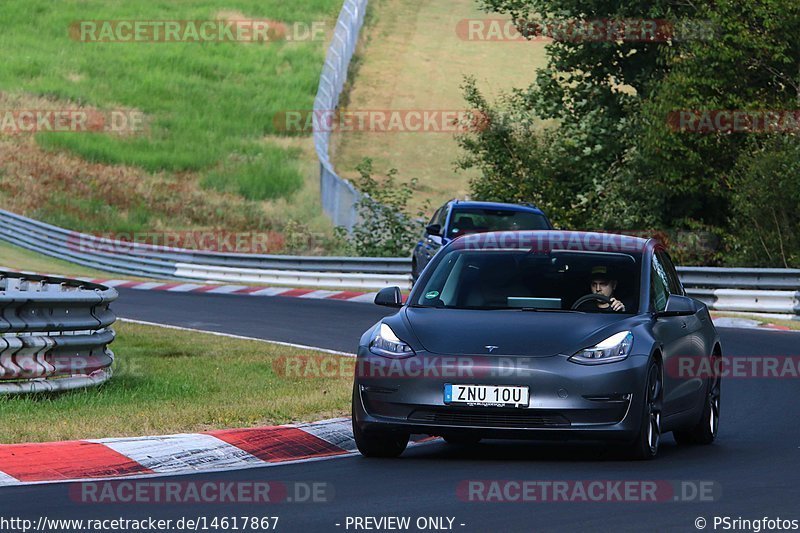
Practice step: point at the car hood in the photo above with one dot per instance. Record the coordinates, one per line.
(513, 332)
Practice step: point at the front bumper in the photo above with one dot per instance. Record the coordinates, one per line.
(567, 400)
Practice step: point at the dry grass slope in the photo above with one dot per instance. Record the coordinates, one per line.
(414, 59)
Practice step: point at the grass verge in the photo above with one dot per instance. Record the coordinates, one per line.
(204, 101)
(414, 59)
(211, 154)
(169, 381)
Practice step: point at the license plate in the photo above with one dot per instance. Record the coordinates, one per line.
(486, 395)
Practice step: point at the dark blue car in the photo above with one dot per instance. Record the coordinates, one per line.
(457, 218)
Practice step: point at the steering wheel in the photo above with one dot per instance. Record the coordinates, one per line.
(590, 297)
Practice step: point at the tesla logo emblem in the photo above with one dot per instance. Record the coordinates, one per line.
(491, 348)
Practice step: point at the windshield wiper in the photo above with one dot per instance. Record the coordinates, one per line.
(466, 307)
(480, 308)
(549, 310)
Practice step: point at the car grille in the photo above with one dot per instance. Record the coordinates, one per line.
(492, 419)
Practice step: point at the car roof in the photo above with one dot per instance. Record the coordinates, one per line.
(496, 205)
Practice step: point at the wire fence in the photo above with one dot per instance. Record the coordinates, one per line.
(338, 195)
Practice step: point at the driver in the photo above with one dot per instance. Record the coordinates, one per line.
(603, 283)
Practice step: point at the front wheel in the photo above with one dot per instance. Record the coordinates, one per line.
(645, 446)
(378, 443)
(706, 429)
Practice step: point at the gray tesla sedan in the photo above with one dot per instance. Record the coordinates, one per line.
(538, 335)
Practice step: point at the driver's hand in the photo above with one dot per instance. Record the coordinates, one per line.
(616, 305)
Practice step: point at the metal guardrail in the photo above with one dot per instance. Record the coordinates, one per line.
(740, 278)
(54, 333)
(338, 195)
(752, 301)
(144, 260)
(764, 290)
(760, 290)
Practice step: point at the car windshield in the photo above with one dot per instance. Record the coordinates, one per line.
(466, 221)
(520, 279)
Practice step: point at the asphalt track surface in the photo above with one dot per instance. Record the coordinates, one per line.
(754, 465)
(322, 323)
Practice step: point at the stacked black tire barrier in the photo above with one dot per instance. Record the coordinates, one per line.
(54, 333)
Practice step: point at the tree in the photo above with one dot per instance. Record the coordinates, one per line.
(613, 158)
(766, 203)
(591, 90)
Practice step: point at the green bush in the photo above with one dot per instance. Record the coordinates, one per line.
(385, 228)
(766, 205)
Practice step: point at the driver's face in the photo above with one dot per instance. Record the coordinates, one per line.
(604, 287)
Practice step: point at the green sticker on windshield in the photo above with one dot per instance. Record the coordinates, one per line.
(430, 295)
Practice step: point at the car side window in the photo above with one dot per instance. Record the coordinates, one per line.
(675, 286)
(436, 216)
(659, 285)
(442, 217)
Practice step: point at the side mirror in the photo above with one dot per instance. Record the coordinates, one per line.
(434, 229)
(389, 297)
(678, 305)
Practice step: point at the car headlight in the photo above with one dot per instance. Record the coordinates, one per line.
(615, 348)
(384, 342)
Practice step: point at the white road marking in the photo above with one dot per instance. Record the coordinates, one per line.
(227, 289)
(186, 287)
(366, 298)
(190, 452)
(150, 285)
(270, 291)
(337, 432)
(320, 294)
(231, 336)
(109, 282)
(5, 480)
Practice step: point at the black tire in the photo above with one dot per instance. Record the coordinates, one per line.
(705, 431)
(645, 446)
(378, 443)
(462, 440)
